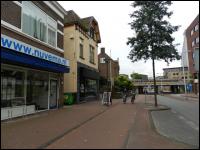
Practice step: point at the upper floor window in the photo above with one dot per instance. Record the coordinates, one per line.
(51, 31)
(102, 60)
(193, 43)
(197, 40)
(91, 54)
(196, 27)
(81, 50)
(92, 32)
(192, 31)
(37, 24)
(193, 55)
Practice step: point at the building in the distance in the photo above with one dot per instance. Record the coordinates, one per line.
(177, 73)
(108, 68)
(32, 57)
(190, 49)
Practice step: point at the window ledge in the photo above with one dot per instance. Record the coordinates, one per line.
(81, 57)
(92, 63)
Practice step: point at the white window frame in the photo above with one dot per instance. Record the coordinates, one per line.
(102, 60)
(11, 68)
(47, 24)
(191, 33)
(193, 43)
(197, 40)
(196, 28)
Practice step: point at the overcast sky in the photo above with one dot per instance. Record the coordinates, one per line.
(113, 18)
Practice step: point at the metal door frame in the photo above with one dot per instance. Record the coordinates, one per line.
(55, 79)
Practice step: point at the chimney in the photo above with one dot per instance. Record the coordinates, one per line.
(103, 50)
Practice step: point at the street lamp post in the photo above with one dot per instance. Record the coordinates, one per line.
(161, 87)
(184, 52)
(107, 62)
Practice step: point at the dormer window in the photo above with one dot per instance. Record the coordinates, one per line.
(92, 32)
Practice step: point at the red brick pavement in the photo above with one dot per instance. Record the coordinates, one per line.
(89, 125)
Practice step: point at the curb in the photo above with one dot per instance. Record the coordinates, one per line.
(158, 108)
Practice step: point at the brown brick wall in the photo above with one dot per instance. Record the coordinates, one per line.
(189, 42)
(61, 28)
(29, 41)
(103, 67)
(60, 40)
(11, 13)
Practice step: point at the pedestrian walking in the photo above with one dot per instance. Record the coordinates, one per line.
(124, 95)
(133, 97)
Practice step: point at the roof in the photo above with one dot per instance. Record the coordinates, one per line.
(85, 23)
(195, 20)
(72, 18)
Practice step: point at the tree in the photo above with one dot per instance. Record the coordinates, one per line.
(122, 82)
(153, 38)
(136, 76)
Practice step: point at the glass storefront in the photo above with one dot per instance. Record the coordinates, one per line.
(37, 89)
(12, 88)
(25, 91)
(90, 87)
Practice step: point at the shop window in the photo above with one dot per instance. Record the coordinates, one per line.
(37, 89)
(12, 88)
(90, 87)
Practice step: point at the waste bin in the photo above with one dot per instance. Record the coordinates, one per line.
(68, 99)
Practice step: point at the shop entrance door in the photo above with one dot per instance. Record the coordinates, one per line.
(53, 94)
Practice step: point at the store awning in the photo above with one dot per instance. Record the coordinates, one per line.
(12, 57)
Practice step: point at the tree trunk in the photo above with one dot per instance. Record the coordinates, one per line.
(154, 80)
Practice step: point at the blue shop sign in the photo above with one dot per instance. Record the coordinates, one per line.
(22, 47)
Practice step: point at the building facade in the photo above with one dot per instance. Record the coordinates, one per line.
(32, 57)
(108, 70)
(191, 44)
(177, 73)
(81, 38)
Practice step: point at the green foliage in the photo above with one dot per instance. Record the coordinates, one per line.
(122, 82)
(153, 33)
(136, 76)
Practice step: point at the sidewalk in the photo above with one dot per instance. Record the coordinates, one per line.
(88, 125)
(40, 129)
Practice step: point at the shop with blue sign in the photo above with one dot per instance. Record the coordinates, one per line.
(31, 78)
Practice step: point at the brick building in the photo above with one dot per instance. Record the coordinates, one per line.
(108, 70)
(191, 43)
(32, 57)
